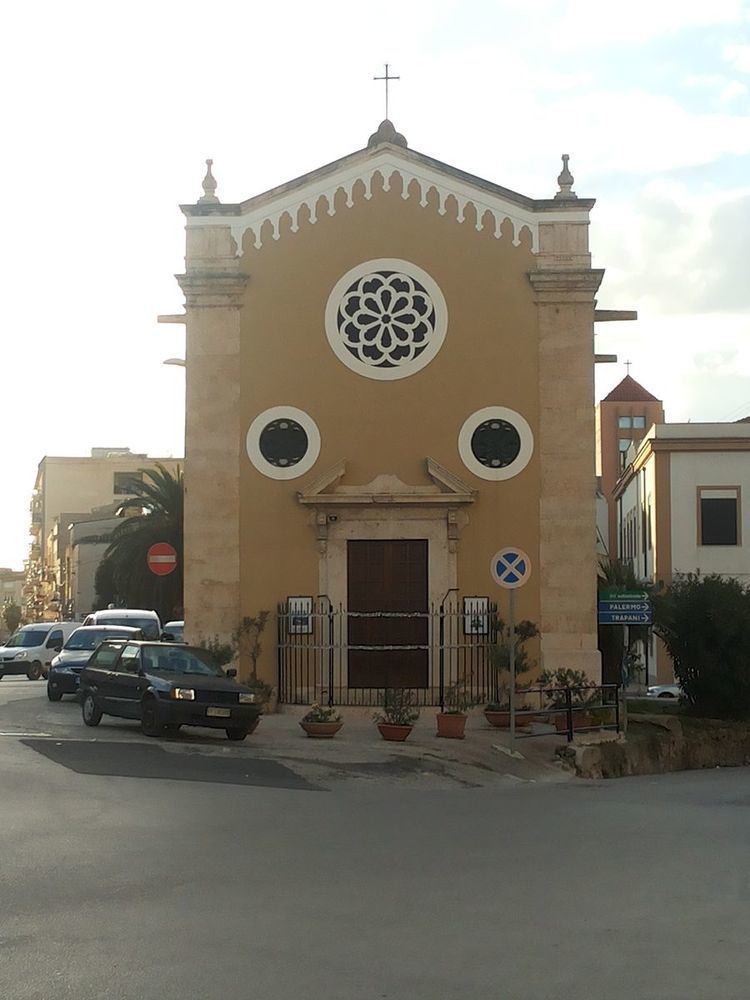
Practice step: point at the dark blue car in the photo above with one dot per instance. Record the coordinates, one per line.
(166, 686)
(65, 669)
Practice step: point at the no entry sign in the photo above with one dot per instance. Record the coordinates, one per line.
(162, 558)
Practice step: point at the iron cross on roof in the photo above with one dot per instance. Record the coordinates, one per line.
(387, 79)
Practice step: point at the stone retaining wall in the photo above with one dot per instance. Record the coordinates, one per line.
(657, 744)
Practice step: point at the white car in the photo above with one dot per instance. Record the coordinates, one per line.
(147, 621)
(664, 691)
(31, 648)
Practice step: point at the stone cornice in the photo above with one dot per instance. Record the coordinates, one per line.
(565, 284)
(213, 289)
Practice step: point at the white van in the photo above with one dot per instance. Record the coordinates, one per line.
(31, 648)
(147, 621)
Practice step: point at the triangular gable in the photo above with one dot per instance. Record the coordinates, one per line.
(454, 189)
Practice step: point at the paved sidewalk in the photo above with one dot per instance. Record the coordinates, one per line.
(358, 751)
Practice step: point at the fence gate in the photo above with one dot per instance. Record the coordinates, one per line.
(339, 656)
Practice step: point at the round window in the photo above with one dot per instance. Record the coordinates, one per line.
(495, 443)
(283, 442)
(386, 319)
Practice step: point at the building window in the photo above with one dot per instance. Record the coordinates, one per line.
(623, 444)
(718, 516)
(639, 423)
(386, 319)
(624, 422)
(495, 443)
(283, 442)
(126, 483)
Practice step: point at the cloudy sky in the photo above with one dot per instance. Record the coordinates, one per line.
(110, 111)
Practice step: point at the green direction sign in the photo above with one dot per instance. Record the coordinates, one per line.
(616, 594)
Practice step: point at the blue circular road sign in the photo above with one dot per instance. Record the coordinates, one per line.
(510, 567)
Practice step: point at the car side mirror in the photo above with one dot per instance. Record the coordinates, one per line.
(231, 671)
(167, 637)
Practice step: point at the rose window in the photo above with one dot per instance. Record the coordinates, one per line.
(386, 321)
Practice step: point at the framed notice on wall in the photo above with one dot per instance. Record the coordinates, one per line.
(476, 615)
(300, 615)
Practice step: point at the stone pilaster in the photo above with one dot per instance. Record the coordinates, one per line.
(564, 288)
(214, 293)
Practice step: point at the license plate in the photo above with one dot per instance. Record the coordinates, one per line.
(219, 713)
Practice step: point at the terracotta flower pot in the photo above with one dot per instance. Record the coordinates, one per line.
(397, 734)
(321, 730)
(501, 720)
(451, 725)
(581, 720)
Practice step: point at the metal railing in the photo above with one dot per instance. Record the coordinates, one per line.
(579, 709)
(334, 656)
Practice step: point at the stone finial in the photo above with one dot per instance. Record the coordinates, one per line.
(565, 180)
(386, 133)
(209, 187)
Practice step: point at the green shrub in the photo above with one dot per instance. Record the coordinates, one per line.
(704, 622)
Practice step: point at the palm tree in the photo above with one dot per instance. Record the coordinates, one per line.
(159, 501)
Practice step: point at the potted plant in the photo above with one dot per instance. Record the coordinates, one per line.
(399, 714)
(497, 712)
(498, 715)
(582, 694)
(451, 722)
(321, 722)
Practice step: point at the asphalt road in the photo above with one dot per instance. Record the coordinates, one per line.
(230, 875)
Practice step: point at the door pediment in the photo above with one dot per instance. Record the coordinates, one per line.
(444, 490)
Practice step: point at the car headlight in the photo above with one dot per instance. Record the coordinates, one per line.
(20, 656)
(183, 694)
(247, 698)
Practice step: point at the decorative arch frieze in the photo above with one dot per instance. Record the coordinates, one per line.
(264, 218)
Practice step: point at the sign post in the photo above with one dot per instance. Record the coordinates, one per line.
(626, 608)
(510, 569)
(161, 559)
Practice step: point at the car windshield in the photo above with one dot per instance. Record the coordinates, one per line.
(26, 639)
(148, 626)
(171, 661)
(89, 638)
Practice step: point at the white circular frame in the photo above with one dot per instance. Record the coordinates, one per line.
(495, 413)
(252, 442)
(340, 349)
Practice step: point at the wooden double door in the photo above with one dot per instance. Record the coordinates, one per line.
(388, 607)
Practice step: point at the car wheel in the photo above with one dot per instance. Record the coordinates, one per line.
(92, 714)
(665, 694)
(236, 734)
(35, 671)
(150, 725)
(53, 694)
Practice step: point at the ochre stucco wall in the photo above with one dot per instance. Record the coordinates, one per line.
(489, 357)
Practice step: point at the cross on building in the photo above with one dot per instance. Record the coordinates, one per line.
(387, 78)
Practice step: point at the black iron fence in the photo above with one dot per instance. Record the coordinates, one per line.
(578, 709)
(335, 656)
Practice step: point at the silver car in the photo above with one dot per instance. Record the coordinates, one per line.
(664, 691)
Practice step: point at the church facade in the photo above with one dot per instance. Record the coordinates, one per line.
(389, 380)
